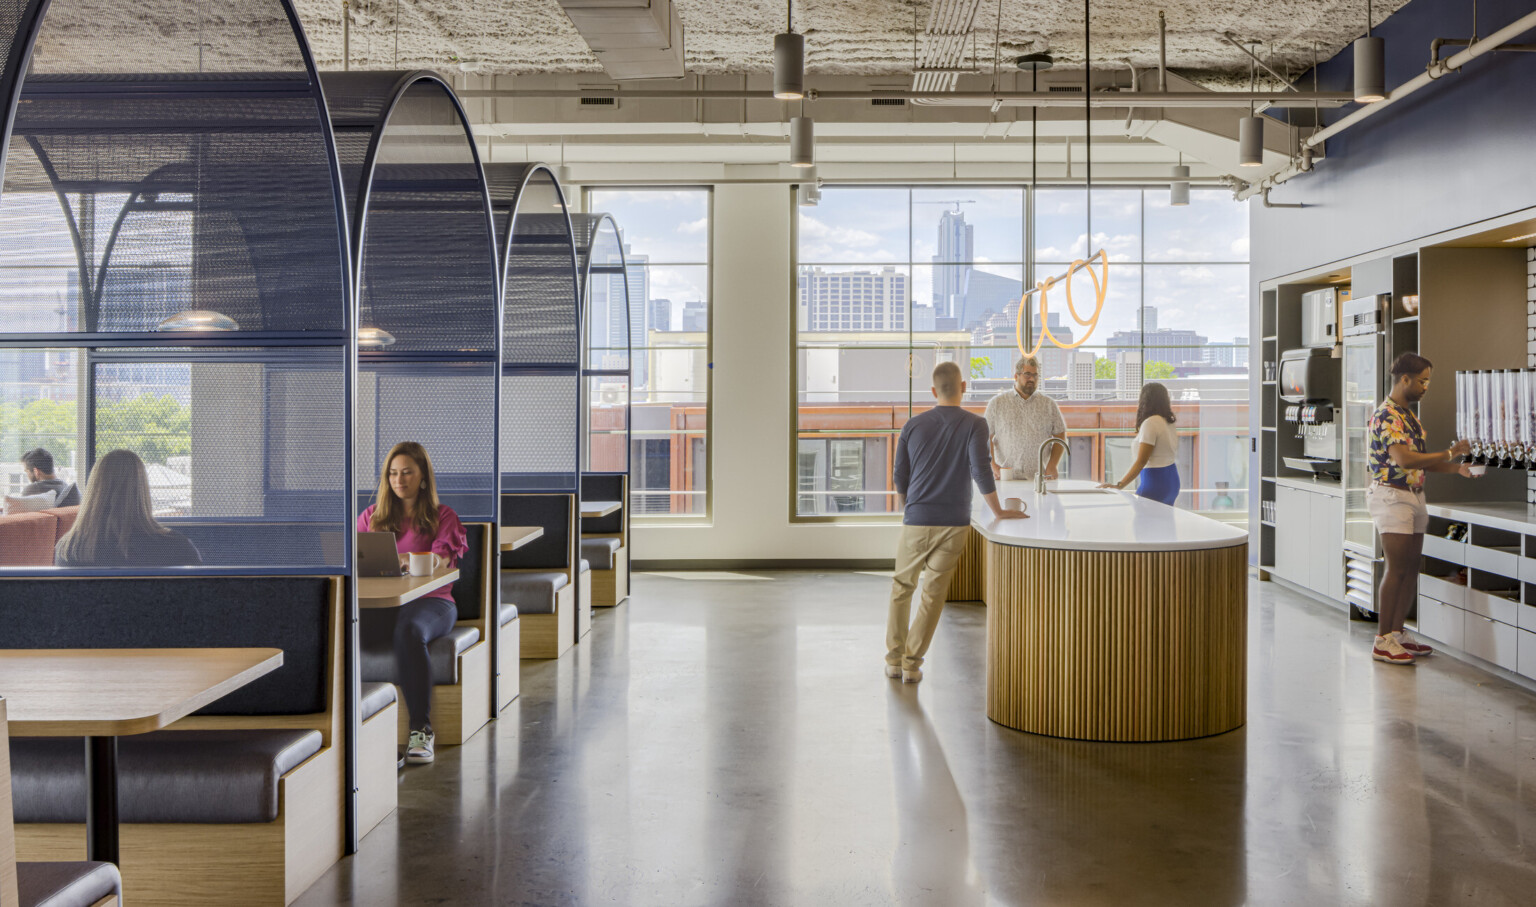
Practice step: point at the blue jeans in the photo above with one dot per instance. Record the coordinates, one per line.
(1160, 483)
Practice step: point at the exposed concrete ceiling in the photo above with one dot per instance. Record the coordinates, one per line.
(848, 37)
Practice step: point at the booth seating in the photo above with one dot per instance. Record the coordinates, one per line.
(60, 884)
(378, 787)
(28, 539)
(605, 539)
(239, 803)
(461, 660)
(545, 580)
(506, 678)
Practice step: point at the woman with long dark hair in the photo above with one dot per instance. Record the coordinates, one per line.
(406, 504)
(117, 525)
(1157, 447)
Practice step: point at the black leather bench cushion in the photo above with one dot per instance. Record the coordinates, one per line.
(532, 593)
(208, 777)
(508, 614)
(376, 698)
(66, 884)
(600, 553)
(378, 652)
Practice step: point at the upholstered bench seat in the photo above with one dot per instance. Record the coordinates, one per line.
(532, 593)
(508, 613)
(66, 884)
(198, 777)
(378, 659)
(600, 552)
(376, 698)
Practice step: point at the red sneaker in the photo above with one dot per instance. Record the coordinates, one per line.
(1387, 649)
(1413, 646)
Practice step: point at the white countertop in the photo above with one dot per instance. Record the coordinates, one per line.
(1495, 514)
(1092, 520)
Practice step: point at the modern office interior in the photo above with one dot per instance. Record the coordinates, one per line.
(484, 453)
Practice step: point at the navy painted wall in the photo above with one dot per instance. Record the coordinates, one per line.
(1461, 150)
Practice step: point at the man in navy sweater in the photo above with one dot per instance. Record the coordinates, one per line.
(940, 453)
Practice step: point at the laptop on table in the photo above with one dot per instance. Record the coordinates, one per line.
(377, 555)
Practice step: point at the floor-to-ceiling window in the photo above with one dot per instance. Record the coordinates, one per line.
(666, 237)
(894, 279)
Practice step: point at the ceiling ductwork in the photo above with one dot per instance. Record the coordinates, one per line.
(633, 39)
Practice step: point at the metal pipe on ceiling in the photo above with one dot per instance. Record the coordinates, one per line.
(1074, 99)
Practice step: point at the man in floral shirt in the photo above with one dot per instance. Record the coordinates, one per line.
(1397, 460)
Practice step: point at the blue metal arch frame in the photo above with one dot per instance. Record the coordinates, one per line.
(509, 185)
(383, 92)
(586, 229)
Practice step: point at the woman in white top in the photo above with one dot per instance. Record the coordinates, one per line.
(1157, 447)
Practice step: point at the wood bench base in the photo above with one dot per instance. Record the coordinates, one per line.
(191, 865)
(458, 709)
(584, 607)
(508, 654)
(550, 635)
(378, 768)
(611, 587)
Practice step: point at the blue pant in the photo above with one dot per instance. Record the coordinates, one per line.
(1160, 483)
(409, 629)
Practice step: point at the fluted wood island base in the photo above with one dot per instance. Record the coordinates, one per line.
(1103, 628)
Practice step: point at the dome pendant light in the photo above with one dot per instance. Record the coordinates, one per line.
(789, 62)
(1370, 65)
(198, 320)
(1250, 131)
(1178, 190)
(802, 142)
(374, 338)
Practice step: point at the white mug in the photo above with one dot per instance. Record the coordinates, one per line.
(1007, 474)
(424, 563)
(1013, 504)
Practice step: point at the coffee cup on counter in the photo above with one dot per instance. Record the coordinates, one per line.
(1477, 469)
(1013, 504)
(423, 563)
(1006, 474)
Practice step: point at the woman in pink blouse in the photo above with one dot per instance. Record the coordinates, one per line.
(407, 506)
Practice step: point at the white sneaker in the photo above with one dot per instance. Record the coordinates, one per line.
(419, 748)
(1413, 646)
(912, 676)
(893, 671)
(1387, 649)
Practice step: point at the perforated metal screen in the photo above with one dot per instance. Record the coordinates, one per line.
(168, 160)
(449, 408)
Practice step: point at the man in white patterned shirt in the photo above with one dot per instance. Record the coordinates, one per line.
(1021, 419)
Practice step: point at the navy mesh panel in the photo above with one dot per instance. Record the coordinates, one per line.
(172, 159)
(428, 277)
(538, 428)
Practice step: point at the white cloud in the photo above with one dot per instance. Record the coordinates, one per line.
(694, 227)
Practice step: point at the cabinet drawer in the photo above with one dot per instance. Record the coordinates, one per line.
(1441, 622)
(1528, 570)
(1525, 657)
(1486, 604)
(1504, 563)
(1490, 640)
(1445, 549)
(1527, 617)
(1442, 590)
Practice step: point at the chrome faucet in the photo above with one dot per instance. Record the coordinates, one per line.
(1040, 467)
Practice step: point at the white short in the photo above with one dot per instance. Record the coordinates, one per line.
(1397, 510)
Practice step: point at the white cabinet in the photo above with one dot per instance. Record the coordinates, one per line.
(1309, 540)
(1489, 640)
(1441, 622)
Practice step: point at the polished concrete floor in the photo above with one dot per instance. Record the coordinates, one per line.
(730, 739)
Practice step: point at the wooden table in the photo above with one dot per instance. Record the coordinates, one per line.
(102, 694)
(599, 508)
(394, 591)
(515, 537)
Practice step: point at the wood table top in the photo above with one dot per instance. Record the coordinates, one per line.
(394, 591)
(599, 508)
(113, 692)
(515, 537)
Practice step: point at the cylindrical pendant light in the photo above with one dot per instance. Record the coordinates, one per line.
(789, 66)
(802, 142)
(1250, 141)
(1370, 64)
(1178, 190)
(1370, 69)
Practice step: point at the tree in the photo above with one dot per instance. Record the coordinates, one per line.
(152, 427)
(1158, 371)
(980, 365)
(1103, 368)
(49, 424)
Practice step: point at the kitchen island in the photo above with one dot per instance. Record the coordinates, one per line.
(1112, 617)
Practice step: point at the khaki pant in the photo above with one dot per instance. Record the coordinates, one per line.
(935, 549)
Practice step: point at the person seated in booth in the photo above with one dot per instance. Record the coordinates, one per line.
(38, 465)
(117, 525)
(406, 504)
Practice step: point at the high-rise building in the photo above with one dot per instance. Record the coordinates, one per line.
(639, 274)
(1080, 376)
(695, 317)
(1170, 345)
(661, 314)
(854, 300)
(1146, 320)
(957, 249)
(1233, 355)
(1128, 373)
